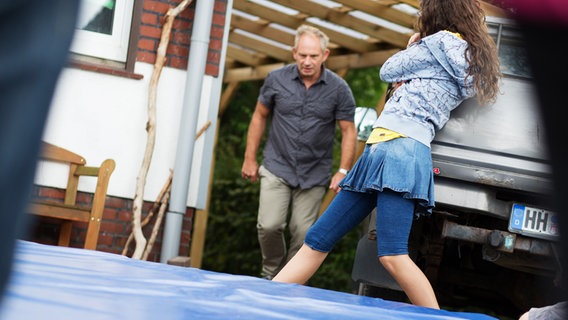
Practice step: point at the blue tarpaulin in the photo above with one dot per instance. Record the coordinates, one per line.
(51, 282)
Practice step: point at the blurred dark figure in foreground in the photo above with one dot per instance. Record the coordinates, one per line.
(544, 24)
(35, 39)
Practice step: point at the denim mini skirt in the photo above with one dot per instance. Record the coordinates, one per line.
(402, 165)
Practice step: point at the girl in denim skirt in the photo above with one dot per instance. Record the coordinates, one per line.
(451, 58)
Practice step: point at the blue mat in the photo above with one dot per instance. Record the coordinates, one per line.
(51, 282)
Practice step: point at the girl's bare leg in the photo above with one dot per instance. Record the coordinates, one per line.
(411, 279)
(302, 266)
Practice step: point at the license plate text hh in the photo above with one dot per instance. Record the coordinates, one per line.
(534, 222)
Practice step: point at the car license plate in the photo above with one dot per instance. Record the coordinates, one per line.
(534, 222)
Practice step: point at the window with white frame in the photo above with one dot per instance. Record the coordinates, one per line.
(103, 29)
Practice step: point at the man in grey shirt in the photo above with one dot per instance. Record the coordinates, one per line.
(305, 101)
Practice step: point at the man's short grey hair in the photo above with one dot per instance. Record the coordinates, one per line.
(306, 29)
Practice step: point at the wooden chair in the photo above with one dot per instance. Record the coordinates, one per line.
(69, 210)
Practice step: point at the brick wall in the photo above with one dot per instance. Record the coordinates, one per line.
(117, 217)
(116, 225)
(152, 20)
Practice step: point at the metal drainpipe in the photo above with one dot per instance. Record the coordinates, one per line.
(188, 124)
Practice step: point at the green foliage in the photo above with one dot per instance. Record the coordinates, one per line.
(366, 85)
(233, 132)
(231, 241)
(231, 244)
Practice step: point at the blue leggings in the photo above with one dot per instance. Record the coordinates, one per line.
(348, 209)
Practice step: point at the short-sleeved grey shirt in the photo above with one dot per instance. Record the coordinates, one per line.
(299, 147)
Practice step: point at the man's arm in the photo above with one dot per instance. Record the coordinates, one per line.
(348, 149)
(254, 135)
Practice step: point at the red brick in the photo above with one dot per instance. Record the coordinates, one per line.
(149, 18)
(156, 6)
(179, 51)
(150, 32)
(109, 214)
(212, 70)
(182, 25)
(188, 13)
(115, 203)
(112, 227)
(181, 38)
(51, 193)
(215, 45)
(218, 19)
(220, 6)
(147, 44)
(124, 215)
(217, 32)
(105, 240)
(179, 63)
(147, 57)
(111, 250)
(83, 197)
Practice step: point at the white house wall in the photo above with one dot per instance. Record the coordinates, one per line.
(101, 116)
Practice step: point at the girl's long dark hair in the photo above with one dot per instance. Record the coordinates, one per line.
(467, 18)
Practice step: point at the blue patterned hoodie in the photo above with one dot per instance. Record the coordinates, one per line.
(434, 70)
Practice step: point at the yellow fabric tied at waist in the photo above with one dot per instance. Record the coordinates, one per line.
(382, 135)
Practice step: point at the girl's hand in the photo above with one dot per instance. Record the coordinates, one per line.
(414, 38)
